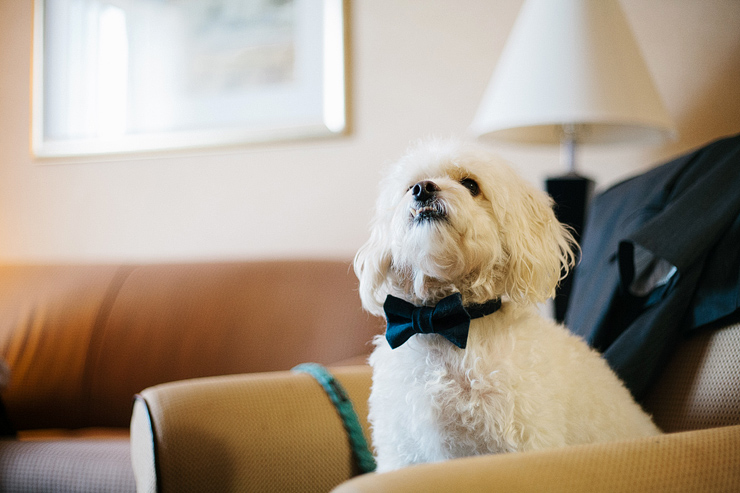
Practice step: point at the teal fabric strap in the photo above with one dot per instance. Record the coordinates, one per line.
(342, 403)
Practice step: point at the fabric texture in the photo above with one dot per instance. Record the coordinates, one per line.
(690, 462)
(238, 433)
(449, 318)
(269, 432)
(66, 466)
(143, 457)
(660, 259)
(700, 386)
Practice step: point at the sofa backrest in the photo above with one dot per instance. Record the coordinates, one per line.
(700, 385)
(82, 340)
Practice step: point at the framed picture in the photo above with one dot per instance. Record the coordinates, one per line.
(118, 76)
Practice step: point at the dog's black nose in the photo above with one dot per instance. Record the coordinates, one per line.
(424, 190)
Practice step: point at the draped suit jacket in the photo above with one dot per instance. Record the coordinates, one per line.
(660, 258)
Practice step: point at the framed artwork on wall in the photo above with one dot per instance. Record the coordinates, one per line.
(119, 76)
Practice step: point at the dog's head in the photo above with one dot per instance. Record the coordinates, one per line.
(453, 217)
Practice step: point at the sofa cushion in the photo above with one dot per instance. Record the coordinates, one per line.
(199, 320)
(72, 465)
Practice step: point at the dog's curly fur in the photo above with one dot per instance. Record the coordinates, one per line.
(523, 382)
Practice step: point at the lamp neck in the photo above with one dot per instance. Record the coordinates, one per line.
(568, 140)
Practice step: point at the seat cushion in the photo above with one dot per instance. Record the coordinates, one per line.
(60, 465)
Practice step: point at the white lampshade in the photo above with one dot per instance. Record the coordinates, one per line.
(572, 63)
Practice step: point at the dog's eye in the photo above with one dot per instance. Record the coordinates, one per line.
(471, 185)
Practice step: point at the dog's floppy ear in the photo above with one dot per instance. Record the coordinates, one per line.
(539, 247)
(372, 266)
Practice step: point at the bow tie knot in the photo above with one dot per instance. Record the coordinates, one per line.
(449, 318)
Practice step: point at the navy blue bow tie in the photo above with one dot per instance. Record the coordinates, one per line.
(449, 319)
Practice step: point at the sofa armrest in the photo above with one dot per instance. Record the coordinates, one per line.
(255, 432)
(704, 460)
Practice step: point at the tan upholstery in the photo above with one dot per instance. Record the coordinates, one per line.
(271, 432)
(82, 340)
(700, 386)
(691, 462)
(701, 395)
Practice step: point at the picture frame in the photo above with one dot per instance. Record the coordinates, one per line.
(126, 76)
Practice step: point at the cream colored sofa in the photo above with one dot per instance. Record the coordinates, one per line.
(278, 432)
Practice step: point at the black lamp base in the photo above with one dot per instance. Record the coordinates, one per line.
(571, 193)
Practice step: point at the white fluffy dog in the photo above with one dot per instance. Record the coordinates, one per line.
(451, 218)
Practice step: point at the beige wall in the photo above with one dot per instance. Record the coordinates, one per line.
(419, 68)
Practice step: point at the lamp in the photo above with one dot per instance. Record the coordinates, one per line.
(571, 73)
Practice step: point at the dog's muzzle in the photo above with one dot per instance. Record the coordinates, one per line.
(426, 205)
